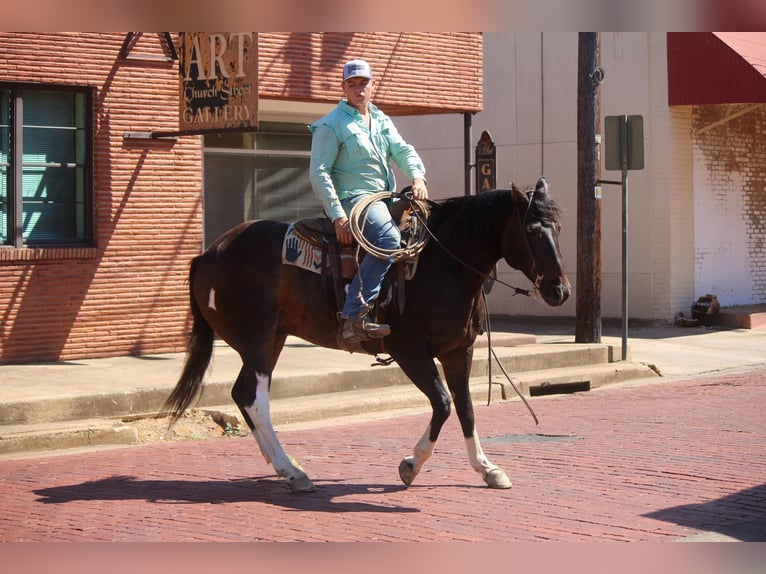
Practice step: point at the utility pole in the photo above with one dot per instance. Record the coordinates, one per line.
(589, 75)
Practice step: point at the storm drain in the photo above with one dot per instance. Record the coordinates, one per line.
(558, 388)
(529, 438)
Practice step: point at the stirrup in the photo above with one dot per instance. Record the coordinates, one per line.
(362, 329)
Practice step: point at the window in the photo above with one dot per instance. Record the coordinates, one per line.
(258, 175)
(45, 166)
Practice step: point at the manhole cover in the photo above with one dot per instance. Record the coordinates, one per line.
(529, 437)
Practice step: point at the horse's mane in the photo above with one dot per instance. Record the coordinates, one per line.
(470, 212)
(544, 208)
(476, 212)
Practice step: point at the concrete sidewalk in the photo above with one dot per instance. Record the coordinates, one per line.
(314, 385)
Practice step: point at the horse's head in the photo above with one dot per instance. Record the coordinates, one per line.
(539, 227)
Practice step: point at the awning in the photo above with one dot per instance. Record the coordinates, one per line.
(716, 68)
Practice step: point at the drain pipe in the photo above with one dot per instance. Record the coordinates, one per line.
(467, 151)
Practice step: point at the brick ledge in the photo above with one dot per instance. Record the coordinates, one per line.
(23, 254)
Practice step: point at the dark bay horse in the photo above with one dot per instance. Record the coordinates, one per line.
(241, 290)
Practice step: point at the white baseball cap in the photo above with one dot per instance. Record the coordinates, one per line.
(356, 69)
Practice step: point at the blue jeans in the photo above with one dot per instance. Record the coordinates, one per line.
(380, 230)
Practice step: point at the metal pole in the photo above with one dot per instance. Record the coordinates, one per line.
(624, 165)
(467, 151)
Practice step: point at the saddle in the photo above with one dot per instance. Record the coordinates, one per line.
(340, 263)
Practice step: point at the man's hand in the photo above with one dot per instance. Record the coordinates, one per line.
(419, 189)
(343, 231)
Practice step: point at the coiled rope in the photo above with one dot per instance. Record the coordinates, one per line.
(414, 233)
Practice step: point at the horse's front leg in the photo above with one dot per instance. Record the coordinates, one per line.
(457, 369)
(421, 370)
(255, 408)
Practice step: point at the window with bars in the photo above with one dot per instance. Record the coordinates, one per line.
(45, 166)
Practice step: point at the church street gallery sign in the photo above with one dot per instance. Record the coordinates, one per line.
(218, 81)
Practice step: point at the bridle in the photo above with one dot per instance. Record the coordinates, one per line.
(407, 196)
(538, 276)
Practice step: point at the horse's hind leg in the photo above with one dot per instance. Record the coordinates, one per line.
(457, 369)
(251, 393)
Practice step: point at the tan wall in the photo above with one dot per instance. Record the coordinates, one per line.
(530, 108)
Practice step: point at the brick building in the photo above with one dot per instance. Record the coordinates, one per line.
(98, 223)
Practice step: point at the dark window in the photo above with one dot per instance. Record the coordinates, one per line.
(258, 175)
(45, 166)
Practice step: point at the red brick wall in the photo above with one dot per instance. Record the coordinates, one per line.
(417, 72)
(127, 294)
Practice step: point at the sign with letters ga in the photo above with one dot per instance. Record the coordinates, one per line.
(486, 155)
(218, 81)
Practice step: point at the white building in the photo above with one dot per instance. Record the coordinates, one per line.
(697, 212)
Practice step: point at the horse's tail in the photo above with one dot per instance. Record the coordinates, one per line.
(198, 355)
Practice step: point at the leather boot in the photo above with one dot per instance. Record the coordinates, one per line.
(362, 329)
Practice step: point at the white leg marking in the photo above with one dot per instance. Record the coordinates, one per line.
(411, 465)
(271, 448)
(476, 456)
(260, 414)
(492, 474)
(211, 299)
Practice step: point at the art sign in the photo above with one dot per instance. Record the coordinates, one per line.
(218, 81)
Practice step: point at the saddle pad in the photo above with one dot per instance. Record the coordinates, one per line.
(300, 252)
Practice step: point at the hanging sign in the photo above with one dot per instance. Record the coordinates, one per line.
(486, 175)
(218, 81)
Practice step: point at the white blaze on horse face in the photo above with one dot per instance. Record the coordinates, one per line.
(260, 415)
(211, 299)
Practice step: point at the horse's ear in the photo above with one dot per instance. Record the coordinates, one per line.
(542, 185)
(519, 197)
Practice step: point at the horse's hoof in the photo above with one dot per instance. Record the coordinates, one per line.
(301, 484)
(497, 479)
(407, 472)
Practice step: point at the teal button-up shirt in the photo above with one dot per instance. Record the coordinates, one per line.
(348, 159)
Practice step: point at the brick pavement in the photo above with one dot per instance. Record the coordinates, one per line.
(652, 462)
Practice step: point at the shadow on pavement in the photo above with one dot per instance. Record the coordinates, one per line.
(739, 516)
(271, 490)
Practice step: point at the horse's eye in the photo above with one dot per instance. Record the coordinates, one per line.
(535, 229)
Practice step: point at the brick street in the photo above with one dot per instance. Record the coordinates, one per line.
(652, 462)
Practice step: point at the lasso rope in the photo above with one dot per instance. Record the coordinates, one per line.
(419, 234)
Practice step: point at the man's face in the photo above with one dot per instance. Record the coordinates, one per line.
(358, 91)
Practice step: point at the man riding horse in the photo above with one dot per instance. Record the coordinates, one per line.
(351, 153)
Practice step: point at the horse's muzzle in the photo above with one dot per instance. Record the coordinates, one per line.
(555, 293)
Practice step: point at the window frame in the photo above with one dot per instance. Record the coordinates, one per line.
(248, 147)
(15, 238)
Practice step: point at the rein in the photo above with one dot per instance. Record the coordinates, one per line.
(491, 353)
(516, 290)
(356, 230)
